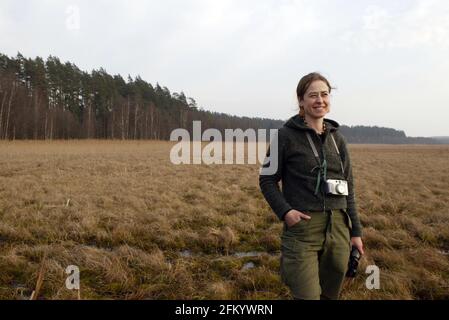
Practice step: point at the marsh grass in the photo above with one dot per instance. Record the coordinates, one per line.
(123, 213)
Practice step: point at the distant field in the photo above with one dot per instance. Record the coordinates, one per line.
(140, 227)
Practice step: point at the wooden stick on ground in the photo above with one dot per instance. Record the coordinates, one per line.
(40, 278)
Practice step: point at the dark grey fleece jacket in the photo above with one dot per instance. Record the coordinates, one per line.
(295, 164)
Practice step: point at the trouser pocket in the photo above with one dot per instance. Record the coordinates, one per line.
(299, 269)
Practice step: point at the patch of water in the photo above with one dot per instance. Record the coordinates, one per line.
(186, 253)
(251, 254)
(240, 254)
(248, 265)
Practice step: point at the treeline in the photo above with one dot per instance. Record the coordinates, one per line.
(442, 139)
(54, 100)
(365, 134)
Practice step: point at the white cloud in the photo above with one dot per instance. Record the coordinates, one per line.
(375, 18)
(424, 24)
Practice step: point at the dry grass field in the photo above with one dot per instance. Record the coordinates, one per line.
(140, 227)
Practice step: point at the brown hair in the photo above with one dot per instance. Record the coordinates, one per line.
(304, 84)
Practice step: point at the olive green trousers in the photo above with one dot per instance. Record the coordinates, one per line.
(315, 254)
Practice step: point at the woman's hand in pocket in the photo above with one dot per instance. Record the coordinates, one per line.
(294, 216)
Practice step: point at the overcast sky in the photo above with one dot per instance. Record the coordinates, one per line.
(388, 59)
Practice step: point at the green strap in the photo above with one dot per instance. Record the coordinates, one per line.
(321, 167)
(322, 171)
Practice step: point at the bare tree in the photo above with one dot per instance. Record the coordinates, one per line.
(9, 110)
(1, 114)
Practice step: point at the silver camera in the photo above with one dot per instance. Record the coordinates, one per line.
(337, 187)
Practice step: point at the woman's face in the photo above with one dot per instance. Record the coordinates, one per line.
(316, 101)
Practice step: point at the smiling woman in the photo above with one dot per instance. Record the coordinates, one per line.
(317, 200)
(313, 94)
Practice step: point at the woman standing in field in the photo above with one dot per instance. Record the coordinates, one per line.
(317, 202)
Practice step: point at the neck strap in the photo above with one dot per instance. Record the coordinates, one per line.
(315, 152)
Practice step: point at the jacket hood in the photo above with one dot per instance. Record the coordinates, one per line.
(296, 122)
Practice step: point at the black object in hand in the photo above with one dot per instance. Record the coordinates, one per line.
(353, 262)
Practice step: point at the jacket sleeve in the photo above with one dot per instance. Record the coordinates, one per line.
(351, 205)
(269, 179)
